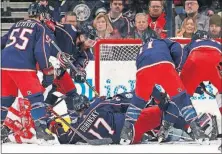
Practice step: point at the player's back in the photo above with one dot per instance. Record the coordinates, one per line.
(24, 39)
(203, 45)
(104, 118)
(154, 52)
(66, 37)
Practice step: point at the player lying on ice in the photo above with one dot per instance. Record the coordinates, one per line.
(104, 118)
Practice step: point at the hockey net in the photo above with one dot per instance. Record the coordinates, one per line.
(111, 59)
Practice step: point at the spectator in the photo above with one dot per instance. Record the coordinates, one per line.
(215, 26)
(132, 7)
(53, 11)
(209, 8)
(119, 23)
(188, 28)
(6, 8)
(191, 8)
(103, 27)
(142, 30)
(157, 17)
(70, 18)
(205, 7)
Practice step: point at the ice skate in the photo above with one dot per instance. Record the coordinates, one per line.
(4, 133)
(164, 131)
(197, 132)
(42, 132)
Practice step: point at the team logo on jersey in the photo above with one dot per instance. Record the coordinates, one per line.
(82, 12)
(179, 89)
(29, 93)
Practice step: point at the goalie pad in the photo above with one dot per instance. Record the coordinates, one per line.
(208, 124)
(20, 122)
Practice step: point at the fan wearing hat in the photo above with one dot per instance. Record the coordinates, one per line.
(215, 26)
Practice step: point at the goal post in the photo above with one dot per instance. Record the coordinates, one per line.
(116, 52)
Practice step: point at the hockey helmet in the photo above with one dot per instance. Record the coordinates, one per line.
(35, 9)
(88, 31)
(200, 34)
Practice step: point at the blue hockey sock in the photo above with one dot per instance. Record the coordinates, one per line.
(185, 106)
(172, 113)
(38, 111)
(6, 102)
(134, 109)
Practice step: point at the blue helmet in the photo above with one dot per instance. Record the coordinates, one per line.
(88, 31)
(200, 34)
(35, 10)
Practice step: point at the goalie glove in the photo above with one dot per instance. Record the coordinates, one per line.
(64, 60)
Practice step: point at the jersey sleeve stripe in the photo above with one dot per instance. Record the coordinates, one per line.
(43, 45)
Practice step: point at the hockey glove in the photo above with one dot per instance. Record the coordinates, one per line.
(53, 126)
(79, 76)
(50, 24)
(64, 60)
(47, 80)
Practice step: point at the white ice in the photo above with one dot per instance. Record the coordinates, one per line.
(140, 148)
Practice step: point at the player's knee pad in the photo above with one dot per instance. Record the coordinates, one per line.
(6, 102)
(38, 107)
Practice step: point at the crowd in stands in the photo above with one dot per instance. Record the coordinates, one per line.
(137, 18)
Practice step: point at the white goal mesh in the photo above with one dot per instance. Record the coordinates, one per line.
(118, 50)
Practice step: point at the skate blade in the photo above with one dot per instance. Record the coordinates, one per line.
(160, 140)
(205, 141)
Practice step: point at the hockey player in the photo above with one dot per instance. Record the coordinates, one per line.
(76, 45)
(204, 62)
(159, 62)
(26, 45)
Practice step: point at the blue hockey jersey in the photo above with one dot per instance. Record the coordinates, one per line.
(66, 39)
(161, 51)
(26, 45)
(104, 118)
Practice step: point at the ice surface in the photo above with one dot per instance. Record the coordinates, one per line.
(139, 148)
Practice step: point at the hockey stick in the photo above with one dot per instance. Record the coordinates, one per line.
(103, 141)
(72, 66)
(202, 85)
